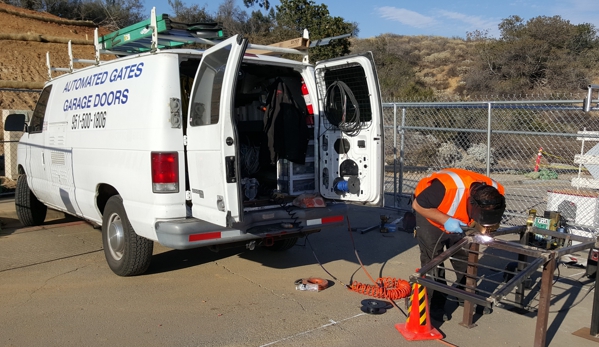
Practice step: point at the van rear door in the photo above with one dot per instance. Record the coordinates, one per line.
(212, 144)
(351, 162)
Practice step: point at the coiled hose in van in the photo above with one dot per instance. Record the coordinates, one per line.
(339, 113)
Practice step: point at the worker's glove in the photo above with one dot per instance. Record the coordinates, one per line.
(453, 225)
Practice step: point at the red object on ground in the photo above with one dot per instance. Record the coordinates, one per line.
(418, 325)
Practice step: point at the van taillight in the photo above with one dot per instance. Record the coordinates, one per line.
(309, 107)
(165, 172)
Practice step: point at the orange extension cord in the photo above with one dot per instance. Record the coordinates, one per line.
(384, 287)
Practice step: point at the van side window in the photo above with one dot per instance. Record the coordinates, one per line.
(37, 119)
(208, 86)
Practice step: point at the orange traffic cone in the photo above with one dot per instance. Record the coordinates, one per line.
(418, 325)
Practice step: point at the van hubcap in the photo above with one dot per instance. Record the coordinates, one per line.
(116, 237)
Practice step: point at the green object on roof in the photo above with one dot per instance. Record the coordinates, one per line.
(137, 38)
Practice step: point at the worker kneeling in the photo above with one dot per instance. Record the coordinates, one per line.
(445, 202)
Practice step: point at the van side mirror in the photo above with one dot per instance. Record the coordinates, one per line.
(15, 122)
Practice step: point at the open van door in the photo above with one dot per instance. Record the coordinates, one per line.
(212, 144)
(351, 157)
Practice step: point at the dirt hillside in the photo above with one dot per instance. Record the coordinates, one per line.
(24, 60)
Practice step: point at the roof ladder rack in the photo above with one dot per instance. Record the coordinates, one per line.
(73, 60)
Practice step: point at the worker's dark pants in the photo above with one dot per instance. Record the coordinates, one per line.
(428, 236)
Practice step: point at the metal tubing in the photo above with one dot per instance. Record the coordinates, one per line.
(575, 248)
(395, 156)
(503, 132)
(559, 235)
(490, 112)
(521, 276)
(441, 257)
(522, 262)
(498, 257)
(477, 299)
(480, 104)
(451, 283)
(517, 248)
(544, 303)
(401, 150)
(468, 318)
(510, 230)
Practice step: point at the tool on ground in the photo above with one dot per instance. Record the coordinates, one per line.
(384, 220)
(314, 284)
(373, 306)
(369, 229)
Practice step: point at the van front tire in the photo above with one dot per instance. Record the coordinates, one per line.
(127, 253)
(30, 210)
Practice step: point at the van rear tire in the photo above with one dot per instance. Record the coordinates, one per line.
(30, 210)
(127, 253)
(283, 245)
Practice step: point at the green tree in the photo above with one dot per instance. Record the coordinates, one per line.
(293, 16)
(261, 3)
(189, 14)
(544, 54)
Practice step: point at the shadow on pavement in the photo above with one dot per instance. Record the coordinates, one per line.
(173, 260)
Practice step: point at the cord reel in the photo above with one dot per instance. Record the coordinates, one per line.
(373, 306)
(342, 187)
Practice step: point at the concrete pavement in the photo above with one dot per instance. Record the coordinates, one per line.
(58, 291)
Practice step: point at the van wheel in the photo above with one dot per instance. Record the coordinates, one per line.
(283, 245)
(30, 210)
(127, 253)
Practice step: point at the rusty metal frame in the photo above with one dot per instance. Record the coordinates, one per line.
(542, 258)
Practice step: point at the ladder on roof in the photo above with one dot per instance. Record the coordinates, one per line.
(160, 32)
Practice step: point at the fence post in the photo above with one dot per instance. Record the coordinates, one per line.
(490, 111)
(395, 155)
(401, 150)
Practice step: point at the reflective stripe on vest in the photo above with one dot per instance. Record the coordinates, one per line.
(459, 193)
(456, 183)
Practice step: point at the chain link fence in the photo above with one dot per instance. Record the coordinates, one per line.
(542, 151)
(545, 152)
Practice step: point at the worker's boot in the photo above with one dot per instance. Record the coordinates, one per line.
(440, 315)
(437, 307)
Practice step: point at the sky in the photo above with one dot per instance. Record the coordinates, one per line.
(431, 17)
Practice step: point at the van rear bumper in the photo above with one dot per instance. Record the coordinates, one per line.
(189, 233)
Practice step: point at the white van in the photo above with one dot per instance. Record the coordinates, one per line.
(194, 148)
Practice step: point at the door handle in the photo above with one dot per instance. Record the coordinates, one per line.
(230, 168)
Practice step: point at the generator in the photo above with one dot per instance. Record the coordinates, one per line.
(551, 220)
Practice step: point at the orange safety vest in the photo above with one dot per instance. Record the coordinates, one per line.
(457, 184)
